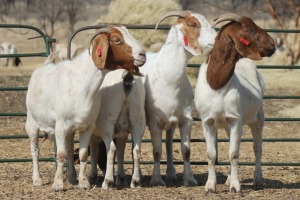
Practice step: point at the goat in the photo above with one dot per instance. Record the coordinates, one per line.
(229, 93)
(9, 48)
(64, 98)
(169, 94)
(122, 112)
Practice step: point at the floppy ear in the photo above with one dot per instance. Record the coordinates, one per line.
(246, 47)
(99, 50)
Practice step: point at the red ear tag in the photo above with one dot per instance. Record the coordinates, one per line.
(185, 39)
(244, 41)
(99, 50)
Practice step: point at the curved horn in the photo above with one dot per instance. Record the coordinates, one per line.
(172, 14)
(101, 30)
(226, 17)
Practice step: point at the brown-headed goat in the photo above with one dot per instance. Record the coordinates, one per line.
(229, 93)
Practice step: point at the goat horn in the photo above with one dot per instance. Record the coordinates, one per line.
(101, 30)
(172, 14)
(226, 17)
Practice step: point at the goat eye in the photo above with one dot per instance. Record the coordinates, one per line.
(116, 40)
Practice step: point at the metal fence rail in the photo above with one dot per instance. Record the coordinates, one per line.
(48, 42)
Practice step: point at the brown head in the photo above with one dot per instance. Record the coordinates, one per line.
(194, 32)
(249, 40)
(114, 48)
(241, 38)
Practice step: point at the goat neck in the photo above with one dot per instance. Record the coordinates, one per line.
(176, 54)
(89, 74)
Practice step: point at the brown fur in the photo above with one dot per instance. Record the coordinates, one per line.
(228, 49)
(115, 52)
(191, 27)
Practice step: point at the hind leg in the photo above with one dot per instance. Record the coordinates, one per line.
(185, 134)
(60, 138)
(70, 153)
(94, 151)
(121, 176)
(33, 134)
(256, 129)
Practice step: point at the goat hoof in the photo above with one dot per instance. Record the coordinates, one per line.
(37, 182)
(121, 181)
(84, 184)
(210, 186)
(57, 186)
(73, 181)
(107, 184)
(171, 174)
(135, 184)
(235, 186)
(258, 185)
(158, 182)
(191, 182)
(209, 191)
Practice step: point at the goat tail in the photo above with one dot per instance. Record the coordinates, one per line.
(127, 82)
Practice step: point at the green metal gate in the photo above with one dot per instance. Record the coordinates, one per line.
(48, 41)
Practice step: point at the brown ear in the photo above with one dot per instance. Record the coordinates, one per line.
(99, 50)
(246, 47)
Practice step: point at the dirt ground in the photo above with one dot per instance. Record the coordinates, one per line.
(280, 182)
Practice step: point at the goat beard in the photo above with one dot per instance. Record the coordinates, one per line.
(132, 69)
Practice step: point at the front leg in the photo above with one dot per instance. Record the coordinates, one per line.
(171, 172)
(185, 134)
(110, 149)
(84, 139)
(256, 129)
(210, 131)
(137, 135)
(235, 127)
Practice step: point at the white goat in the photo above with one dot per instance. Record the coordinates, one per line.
(122, 112)
(64, 98)
(229, 93)
(169, 95)
(9, 48)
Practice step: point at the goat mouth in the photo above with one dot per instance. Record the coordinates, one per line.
(139, 62)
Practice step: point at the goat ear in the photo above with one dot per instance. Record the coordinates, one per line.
(247, 47)
(100, 47)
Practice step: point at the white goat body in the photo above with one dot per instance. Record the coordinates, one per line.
(62, 101)
(122, 112)
(246, 85)
(169, 94)
(64, 98)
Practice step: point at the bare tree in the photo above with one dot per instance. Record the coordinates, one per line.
(50, 13)
(72, 9)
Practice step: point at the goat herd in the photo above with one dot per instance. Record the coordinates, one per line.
(114, 88)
